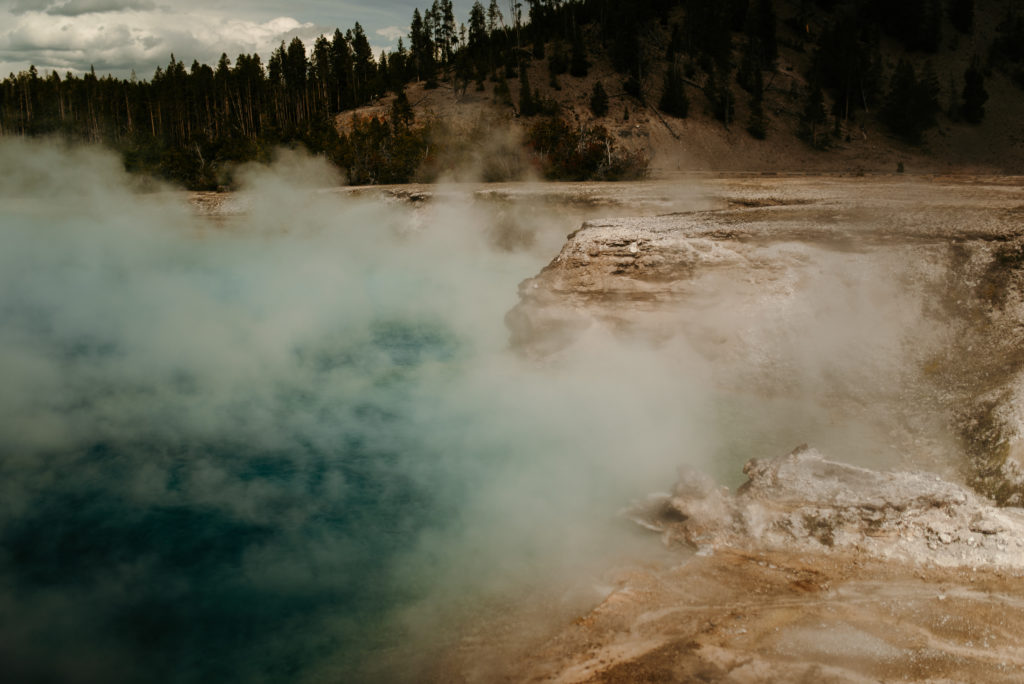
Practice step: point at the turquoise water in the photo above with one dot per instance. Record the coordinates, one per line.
(277, 449)
(184, 584)
(295, 446)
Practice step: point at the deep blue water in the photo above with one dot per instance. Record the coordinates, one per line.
(287, 448)
(104, 585)
(221, 445)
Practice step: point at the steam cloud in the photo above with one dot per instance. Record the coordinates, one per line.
(254, 451)
(291, 446)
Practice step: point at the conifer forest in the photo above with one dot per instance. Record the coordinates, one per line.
(191, 123)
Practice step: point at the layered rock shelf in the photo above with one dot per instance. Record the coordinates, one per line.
(905, 564)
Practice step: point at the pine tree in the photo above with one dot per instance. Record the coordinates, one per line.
(633, 86)
(931, 26)
(719, 94)
(502, 93)
(578, 65)
(757, 124)
(398, 67)
(675, 43)
(974, 94)
(421, 50)
(599, 100)
(401, 111)
(751, 62)
(363, 67)
(558, 63)
(813, 115)
(341, 72)
(847, 63)
(447, 31)
(911, 104)
(761, 25)
(476, 47)
(527, 103)
(539, 26)
(673, 95)
(961, 14)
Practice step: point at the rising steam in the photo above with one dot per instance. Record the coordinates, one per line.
(250, 450)
(295, 444)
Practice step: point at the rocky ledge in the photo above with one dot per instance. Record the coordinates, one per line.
(812, 571)
(795, 274)
(804, 503)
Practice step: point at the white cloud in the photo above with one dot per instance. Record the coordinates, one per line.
(392, 33)
(121, 40)
(74, 8)
(118, 36)
(22, 6)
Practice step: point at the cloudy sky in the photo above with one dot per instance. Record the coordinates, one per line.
(117, 36)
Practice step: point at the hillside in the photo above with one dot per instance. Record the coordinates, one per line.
(699, 142)
(688, 85)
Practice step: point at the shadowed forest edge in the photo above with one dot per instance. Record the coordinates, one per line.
(864, 61)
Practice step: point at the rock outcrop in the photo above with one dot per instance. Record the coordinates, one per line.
(750, 284)
(805, 503)
(814, 570)
(811, 571)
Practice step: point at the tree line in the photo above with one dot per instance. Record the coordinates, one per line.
(190, 124)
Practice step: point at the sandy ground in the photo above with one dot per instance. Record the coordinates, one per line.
(759, 617)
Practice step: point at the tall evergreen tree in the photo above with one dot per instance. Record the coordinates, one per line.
(757, 124)
(476, 46)
(421, 50)
(294, 66)
(398, 67)
(363, 67)
(675, 43)
(974, 94)
(813, 115)
(341, 72)
(320, 74)
(495, 20)
(598, 100)
(911, 103)
(401, 110)
(961, 14)
(673, 95)
(449, 36)
(751, 63)
(719, 93)
(578, 65)
(848, 63)
(527, 103)
(761, 25)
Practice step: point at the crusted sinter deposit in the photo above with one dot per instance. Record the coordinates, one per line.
(805, 503)
(812, 571)
(904, 300)
(893, 306)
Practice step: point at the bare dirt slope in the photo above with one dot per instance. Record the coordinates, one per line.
(700, 143)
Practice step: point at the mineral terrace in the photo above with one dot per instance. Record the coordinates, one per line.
(899, 559)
